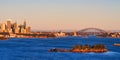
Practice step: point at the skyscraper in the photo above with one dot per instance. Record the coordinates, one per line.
(3, 27)
(0, 27)
(28, 29)
(23, 30)
(9, 26)
(24, 25)
(16, 27)
(20, 27)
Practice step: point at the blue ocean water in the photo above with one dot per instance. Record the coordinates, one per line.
(37, 49)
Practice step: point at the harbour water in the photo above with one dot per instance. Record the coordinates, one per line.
(37, 49)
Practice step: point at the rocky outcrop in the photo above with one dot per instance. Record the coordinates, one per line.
(98, 48)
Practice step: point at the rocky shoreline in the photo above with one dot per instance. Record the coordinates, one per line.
(97, 48)
(3, 38)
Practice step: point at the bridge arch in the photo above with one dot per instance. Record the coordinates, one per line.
(96, 29)
(91, 31)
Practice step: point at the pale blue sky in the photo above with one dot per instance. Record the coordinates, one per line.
(63, 14)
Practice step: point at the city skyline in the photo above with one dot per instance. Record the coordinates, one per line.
(63, 14)
(14, 28)
(24, 24)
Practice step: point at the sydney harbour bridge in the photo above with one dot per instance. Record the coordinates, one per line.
(91, 31)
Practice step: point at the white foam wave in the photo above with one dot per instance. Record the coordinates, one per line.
(106, 53)
(111, 53)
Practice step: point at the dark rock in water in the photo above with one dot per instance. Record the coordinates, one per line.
(58, 50)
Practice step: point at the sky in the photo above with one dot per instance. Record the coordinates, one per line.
(63, 14)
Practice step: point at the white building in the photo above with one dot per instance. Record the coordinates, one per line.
(61, 34)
